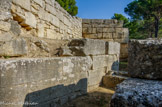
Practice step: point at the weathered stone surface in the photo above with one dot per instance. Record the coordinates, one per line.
(113, 62)
(5, 16)
(41, 30)
(123, 51)
(5, 26)
(5, 6)
(23, 3)
(57, 78)
(113, 47)
(100, 61)
(95, 78)
(145, 59)
(30, 20)
(50, 9)
(40, 2)
(111, 81)
(84, 47)
(138, 93)
(5, 37)
(16, 47)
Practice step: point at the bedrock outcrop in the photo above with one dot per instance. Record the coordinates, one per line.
(145, 59)
(138, 93)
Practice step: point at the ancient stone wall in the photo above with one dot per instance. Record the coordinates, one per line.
(145, 58)
(42, 60)
(54, 81)
(108, 30)
(41, 18)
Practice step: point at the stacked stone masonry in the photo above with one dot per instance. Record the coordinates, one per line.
(31, 30)
(108, 30)
(54, 81)
(41, 18)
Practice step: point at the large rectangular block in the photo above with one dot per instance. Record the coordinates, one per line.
(5, 26)
(16, 47)
(87, 47)
(100, 61)
(95, 77)
(113, 62)
(30, 20)
(145, 59)
(113, 47)
(20, 71)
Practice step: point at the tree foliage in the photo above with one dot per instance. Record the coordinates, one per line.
(121, 17)
(69, 6)
(133, 25)
(149, 12)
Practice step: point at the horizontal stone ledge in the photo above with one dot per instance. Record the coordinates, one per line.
(25, 70)
(83, 47)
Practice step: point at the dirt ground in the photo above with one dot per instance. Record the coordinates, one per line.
(99, 97)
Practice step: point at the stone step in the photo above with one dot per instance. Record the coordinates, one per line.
(111, 81)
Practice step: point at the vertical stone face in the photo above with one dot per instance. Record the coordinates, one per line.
(144, 59)
(30, 20)
(16, 47)
(40, 30)
(108, 30)
(113, 48)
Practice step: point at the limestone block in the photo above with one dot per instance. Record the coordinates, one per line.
(87, 47)
(99, 30)
(137, 93)
(75, 68)
(50, 9)
(16, 94)
(86, 21)
(144, 58)
(95, 77)
(84, 30)
(51, 34)
(15, 27)
(107, 35)
(66, 21)
(23, 3)
(40, 2)
(40, 28)
(5, 5)
(5, 26)
(55, 21)
(113, 62)
(16, 47)
(111, 81)
(65, 51)
(123, 51)
(21, 71)
(113, 47)
(50, 2)
(42, 14)
(94, 30)
(30, 20)
(100, 61)
(97, 21)
(5, 15)
(86, 25)
(91, 36)
(108, 30)
(6, 37)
